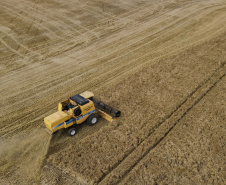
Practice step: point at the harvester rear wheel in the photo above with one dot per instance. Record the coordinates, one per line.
(72, 131)
(92, 119)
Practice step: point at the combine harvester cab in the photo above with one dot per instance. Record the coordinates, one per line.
(78, 109)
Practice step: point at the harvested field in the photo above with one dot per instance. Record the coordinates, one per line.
(193, 152)
(162, 63)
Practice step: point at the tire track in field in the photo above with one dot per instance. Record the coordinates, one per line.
(109, 183)
(51, 15)
(68, 19)
(66, 43)
(52, 43)
(123, 71)
(132, 50)
(55, 18)
(124, 15)
(120, 74)
(24, 17)
(161, 130)
(97, 11)
(20, 45)
(135, 15)
(161, 49)
(96, 84)
(17, 42)
(127, 69)
(69, 39)
(141, 38)
(105, 44)
(174, 119)
(159, 16)
(137, 42)
(131, 167)
(142, 30)
(10, 48)
(93, 33)
(55, 27)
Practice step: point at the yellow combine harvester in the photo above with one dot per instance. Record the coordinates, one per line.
(78, 109)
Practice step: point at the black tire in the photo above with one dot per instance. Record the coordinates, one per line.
(72, 131)
(92, 119)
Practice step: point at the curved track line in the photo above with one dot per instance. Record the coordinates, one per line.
(160, 29)
(23, 17)
(131, 52)
(10, 48)
(36, 10)
(20, 44)
(94, 84)
(196, 35)
(50, 14)
(138, 58)
(44, 49)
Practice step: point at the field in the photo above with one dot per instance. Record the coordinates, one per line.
(161, 62)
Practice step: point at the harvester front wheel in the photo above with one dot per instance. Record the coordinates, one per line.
(92, 119)
(72, 131)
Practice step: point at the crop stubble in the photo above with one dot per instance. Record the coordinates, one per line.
(194, 151)
(149, 98)
(180, 44)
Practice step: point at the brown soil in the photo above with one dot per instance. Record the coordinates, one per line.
(162, 63)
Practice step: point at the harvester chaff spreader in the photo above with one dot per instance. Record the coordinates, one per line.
(78, 109)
